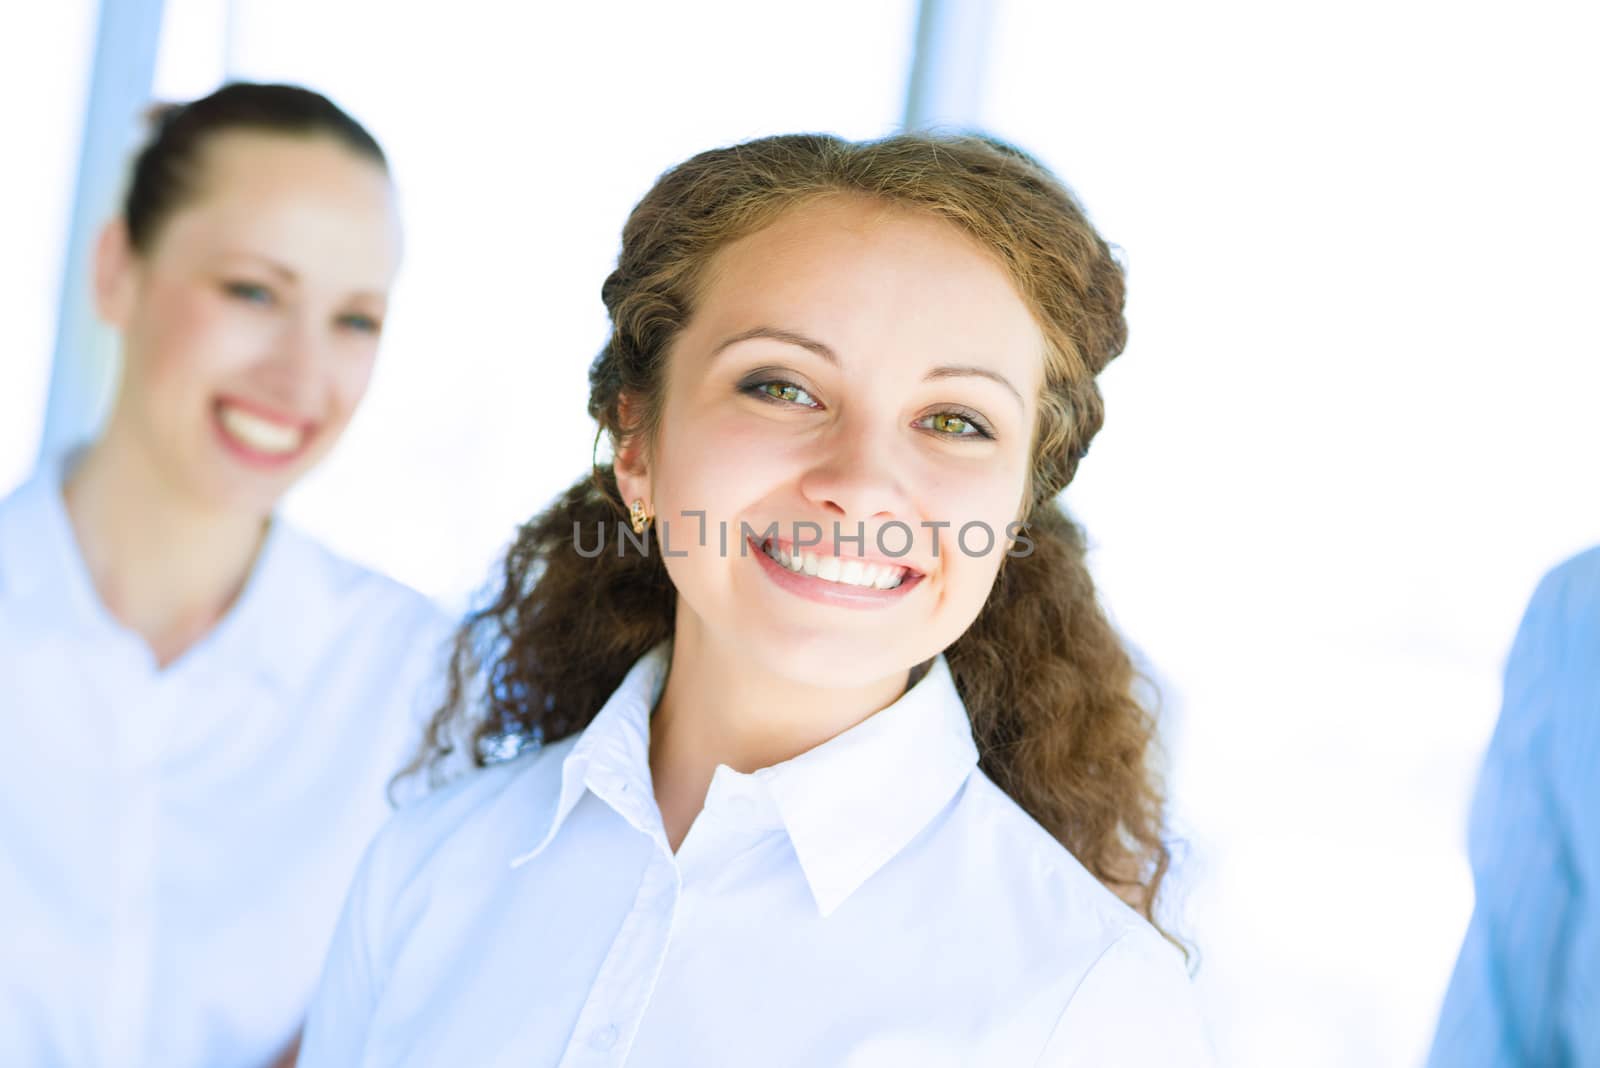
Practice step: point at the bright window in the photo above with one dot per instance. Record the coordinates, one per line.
(1355, 422)
(44, 77)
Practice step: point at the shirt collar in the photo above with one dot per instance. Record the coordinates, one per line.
(612, 755)
(849, 806)
(280, 623)
(853, 803)
(270, 630)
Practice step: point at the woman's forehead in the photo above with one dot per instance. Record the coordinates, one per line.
(305, 202)
(857, 272)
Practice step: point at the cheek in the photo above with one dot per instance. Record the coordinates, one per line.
(722, 471)
(720, 466)
(980, 509)
(987, 491)
(349, 375)
(184, 342)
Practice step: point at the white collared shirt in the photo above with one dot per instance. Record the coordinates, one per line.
(175, 844)
(877, 901)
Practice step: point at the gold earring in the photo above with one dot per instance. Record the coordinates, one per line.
(638, 516)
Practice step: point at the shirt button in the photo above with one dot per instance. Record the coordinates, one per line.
(741, 805)
(604, 1038)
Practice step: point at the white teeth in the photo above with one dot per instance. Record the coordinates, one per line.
(831, 569)
(262, 435)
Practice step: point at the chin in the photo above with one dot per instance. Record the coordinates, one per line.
(261, 505)
(831, 660)
(230, 490)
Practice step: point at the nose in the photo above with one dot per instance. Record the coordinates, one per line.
(292, 375)
(856, 476)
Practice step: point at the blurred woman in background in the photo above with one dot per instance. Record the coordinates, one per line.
(202, 705)
(838, 762)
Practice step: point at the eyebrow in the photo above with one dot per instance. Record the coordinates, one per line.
(268, 262)
(966, 371)
(790, 337)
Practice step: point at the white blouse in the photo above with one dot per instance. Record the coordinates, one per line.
(175, 844)
(875, 901)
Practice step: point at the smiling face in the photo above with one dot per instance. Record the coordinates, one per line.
(852, 366)
(250, 326)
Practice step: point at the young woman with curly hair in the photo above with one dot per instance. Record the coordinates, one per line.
(837, 760)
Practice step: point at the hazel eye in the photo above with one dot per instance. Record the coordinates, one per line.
(955, 425)
(784, 393)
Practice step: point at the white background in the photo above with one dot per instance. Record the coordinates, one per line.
(1356, 421)
(1358, 417)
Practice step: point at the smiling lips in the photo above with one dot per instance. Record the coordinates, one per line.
(879, 576)
(257, 436)
(834, 580)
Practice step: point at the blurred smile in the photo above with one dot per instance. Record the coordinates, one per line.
(260, 437)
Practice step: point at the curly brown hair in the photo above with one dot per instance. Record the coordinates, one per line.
(1046, 681)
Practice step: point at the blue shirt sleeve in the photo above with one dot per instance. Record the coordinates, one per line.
(1511, 998)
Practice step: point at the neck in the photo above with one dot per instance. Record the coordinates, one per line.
(719, 708)
(164, 565)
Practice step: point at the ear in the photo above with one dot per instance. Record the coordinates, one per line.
(115, 267)
(630, 463)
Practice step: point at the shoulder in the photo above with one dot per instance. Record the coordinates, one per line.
(1136, 1007)
(342, 580)
(1028, 890)
(1552, 676)
(1125, 994)
(1568, 597)
(22, 515)
(404, 884)
(12, 500)
(327, 606)
(488, 816)
(1550, 714)
(1046, 878)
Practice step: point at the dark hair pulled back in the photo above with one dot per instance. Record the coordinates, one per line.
(166, 170)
